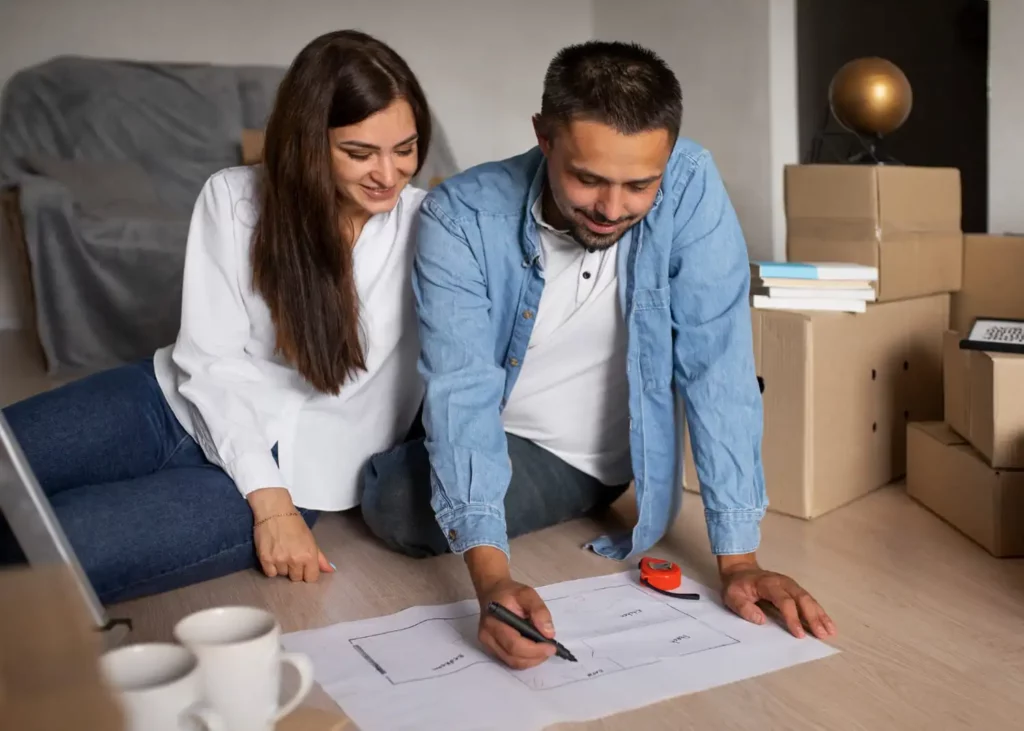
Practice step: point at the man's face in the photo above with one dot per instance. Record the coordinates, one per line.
(601, 181)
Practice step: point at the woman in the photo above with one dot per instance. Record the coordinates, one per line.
(296, 357)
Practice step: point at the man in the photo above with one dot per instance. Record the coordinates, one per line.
(567, 297)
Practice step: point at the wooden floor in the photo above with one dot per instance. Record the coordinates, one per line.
(931, 628)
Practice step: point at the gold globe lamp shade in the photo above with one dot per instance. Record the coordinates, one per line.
(870, 96)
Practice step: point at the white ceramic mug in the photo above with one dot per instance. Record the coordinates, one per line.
(240, 658)
(159, 687)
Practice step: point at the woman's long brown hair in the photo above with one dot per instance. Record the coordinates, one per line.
(301, 248)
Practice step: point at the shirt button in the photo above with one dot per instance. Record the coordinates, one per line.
(527, 315)
(526, 263)
(513, 362)
(452, 535)
(586, 275)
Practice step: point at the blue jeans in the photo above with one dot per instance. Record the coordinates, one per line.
(143, 508)
(543, 491)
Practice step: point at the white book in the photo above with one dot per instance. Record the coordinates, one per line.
(761, 302)
(756, 282)
(864, 293)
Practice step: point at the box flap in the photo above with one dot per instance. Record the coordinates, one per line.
(913, 264)
(806, 242)
(991, 280)
(843, 192)
(1012, 362)
(940, 432)
(918, 199)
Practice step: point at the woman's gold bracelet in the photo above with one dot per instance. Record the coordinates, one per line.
(282, 515)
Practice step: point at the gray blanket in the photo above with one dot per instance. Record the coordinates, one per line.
(109, 157)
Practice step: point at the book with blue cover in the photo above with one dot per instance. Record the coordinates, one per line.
(813, 270)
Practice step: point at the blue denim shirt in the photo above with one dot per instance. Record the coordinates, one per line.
(684, 285)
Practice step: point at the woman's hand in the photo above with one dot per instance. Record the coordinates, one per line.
(284, 543)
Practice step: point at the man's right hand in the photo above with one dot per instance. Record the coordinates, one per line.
(488, 568)
(285, 545)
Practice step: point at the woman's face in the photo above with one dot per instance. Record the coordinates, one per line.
(373, 160)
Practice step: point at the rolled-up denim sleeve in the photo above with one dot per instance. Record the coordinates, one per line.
(465, 438)
(714, 360)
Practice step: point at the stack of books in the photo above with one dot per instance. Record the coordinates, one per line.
(834, 286)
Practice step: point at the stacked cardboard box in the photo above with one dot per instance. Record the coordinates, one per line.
(969, 470)
(839, 388)
(903, 220)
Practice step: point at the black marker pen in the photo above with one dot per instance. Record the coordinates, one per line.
(526, 629)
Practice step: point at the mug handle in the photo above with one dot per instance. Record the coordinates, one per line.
(304, 667)
(207, 718)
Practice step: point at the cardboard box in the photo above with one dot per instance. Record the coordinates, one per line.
(991, 287)
(839, 390)
(903, 220)
(950, 478)
(984, 401)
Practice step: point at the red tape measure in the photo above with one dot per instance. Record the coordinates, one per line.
(663, 577)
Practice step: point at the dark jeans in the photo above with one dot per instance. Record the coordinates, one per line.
(142, 507)
(543, 491)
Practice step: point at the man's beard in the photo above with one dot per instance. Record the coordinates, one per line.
(591, 240)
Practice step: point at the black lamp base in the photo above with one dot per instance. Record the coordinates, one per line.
(852, 148)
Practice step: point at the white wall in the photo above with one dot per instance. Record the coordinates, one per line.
(481, 62)
(1006, 115)
(736, 62)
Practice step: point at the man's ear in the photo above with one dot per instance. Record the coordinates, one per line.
(540, 128)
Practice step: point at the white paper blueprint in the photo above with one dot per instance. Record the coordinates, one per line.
(423, 669)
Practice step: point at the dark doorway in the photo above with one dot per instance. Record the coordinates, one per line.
(942, 47)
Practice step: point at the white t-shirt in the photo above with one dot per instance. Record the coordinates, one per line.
(238, 398)
(572, 397)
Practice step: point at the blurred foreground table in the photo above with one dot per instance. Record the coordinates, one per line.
(49, 670)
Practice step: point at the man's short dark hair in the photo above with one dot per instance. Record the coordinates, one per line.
(623, 85)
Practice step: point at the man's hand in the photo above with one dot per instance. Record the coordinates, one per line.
(744, 583)
(511, 647)
(488, 568)
(284, 543)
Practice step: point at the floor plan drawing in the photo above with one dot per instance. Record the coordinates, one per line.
(634, 646)
(609, 630)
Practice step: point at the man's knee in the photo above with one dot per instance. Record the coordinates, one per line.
(386, 489)
(396, 502)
